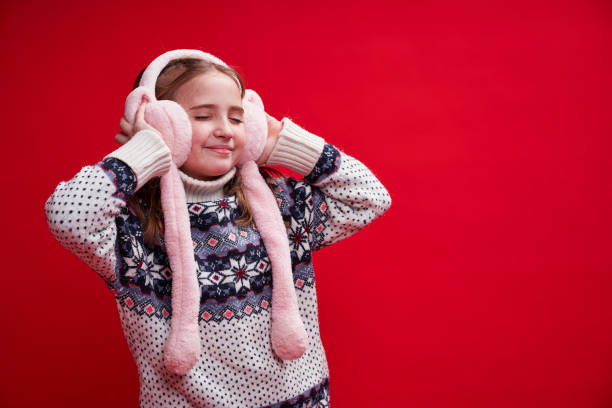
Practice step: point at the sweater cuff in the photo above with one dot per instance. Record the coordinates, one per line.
(146, 154)
(296, 149)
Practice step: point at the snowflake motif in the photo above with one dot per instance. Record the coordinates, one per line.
(137, 261)
(298, 240)
(236, 274)
(221, 207)
(141, 266)
(240, 273)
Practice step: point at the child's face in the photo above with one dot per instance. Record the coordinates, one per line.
(217, 129)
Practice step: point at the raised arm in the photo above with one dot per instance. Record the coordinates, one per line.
(81, 212)
(338, 195)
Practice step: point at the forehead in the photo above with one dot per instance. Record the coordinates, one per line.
(211, 87)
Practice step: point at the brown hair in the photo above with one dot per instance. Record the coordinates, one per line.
(146, 202)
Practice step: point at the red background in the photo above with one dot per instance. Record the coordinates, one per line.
(488, 281)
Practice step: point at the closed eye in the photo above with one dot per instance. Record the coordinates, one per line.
(236, 120)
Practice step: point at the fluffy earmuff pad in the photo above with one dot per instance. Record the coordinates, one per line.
(171, 120)
(256, 126)
(168, 117)
(134, 100)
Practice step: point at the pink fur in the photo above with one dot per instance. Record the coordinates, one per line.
(255, 126)
(288, 336)
(182, 348)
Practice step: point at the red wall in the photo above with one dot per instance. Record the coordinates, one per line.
(488, 282)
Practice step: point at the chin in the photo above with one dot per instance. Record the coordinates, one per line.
(218, 170)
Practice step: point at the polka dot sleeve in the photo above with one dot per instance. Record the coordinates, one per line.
(338, 195)
(346, 196)
(81, 213)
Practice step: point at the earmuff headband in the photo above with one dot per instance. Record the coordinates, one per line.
(149, 77)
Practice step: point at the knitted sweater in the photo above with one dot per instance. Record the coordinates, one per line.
(89, 216)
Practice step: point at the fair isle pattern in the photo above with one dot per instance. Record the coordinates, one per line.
(232, 262)
(327, 165)
(207, 214)
(316, 397)
(90, 217)
(122, 177)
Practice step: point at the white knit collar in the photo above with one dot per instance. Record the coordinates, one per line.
(198, 190)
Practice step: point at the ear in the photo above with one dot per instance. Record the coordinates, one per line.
(255, 126)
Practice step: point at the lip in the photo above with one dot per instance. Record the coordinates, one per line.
(220, 149)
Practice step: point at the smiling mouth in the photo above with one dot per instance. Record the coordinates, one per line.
(222, 150)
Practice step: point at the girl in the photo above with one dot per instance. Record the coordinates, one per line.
(109, 215)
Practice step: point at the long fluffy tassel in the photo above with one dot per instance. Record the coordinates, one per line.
(288, 336)
(182, 348)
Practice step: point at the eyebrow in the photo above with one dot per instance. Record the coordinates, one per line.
(212, 105)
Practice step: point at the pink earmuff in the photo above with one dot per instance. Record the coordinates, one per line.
(182, 348)
(168, 117)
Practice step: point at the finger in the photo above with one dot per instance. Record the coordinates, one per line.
(121, 138)
(125, 126)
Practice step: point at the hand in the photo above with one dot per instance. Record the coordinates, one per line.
(274, 128)
(128, 130)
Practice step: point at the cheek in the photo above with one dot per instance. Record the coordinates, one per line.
(197, 141)
(239, 145)
(240, 139)
(196, 148)
(199, 133)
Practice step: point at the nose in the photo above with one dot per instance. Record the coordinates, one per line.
(223, 128)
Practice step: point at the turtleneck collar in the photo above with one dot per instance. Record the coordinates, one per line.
(198, 190)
